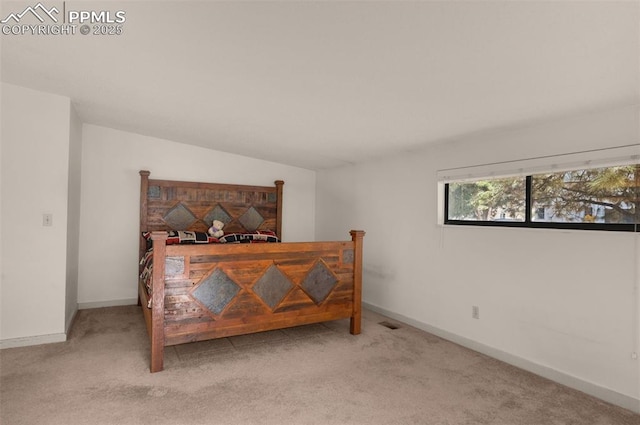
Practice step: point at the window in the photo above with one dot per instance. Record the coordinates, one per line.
(488, 200)
(606, 198)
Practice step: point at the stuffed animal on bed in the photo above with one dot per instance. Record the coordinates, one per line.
(216, 229)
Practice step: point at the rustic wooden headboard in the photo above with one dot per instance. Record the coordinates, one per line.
(178, 205)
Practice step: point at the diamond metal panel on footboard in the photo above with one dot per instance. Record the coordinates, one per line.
(241, 288)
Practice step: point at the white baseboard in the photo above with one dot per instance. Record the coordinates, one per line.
(594, 390)
(62, 337)
(32, 340)
(112, 303)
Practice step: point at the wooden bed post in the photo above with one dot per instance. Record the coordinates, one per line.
(356, 317)
(279, 184)
(144, 189)
(157, 303)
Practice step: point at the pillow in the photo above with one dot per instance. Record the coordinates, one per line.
(147, 271)
(185, 237)
(255, 237)
(147, 258)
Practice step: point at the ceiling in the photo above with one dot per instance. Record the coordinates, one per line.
(326, 83)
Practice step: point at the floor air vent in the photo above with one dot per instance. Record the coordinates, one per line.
(389, 325)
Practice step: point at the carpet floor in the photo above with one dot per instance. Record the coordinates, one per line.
(316, 374)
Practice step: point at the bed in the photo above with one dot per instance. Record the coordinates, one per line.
(194, 290)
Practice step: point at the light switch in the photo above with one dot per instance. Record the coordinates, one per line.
(47, 219)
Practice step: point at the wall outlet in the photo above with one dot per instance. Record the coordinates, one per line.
(475, 312)
(47, 220)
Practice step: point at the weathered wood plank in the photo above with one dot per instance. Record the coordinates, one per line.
(203, 331)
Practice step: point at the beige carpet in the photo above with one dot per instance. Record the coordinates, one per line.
(318, 374)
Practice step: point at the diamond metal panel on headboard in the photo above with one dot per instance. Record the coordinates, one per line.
(218, 213)
(216, 291)
(251, 219)
(179, 217)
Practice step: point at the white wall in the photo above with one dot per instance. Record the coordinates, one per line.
(563, 304)
(109, 222)
(35, 165)
(1, 207)
(73, 216)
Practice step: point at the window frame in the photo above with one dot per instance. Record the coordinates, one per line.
(529, 223)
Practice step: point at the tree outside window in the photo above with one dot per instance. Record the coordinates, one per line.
(597, 195)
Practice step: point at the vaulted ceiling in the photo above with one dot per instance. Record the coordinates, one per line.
(319, 84)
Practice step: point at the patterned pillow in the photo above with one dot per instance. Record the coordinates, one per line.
(185, 237)
(259, 236)
(147, 271)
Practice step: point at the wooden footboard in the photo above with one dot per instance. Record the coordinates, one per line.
(201, 292)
